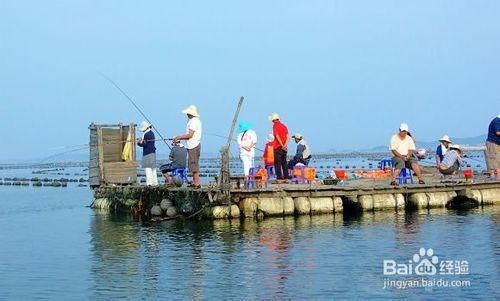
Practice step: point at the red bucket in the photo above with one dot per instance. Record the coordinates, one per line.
(468, 174)
(341, 174)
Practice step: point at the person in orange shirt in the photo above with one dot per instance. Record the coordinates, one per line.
(268, 156)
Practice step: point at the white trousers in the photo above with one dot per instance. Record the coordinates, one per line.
(151, 178)
(247, 161)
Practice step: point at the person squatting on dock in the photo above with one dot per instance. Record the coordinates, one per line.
(247, 139)
(147, 142)
(442, 149)
(303, 153)
(452, 160)
(493, 149)
(403, 147)
(280, 132)
(193, 137)
(178, 160)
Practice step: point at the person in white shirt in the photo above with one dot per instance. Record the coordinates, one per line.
(193, 136)
(247, 139)
(403, 148)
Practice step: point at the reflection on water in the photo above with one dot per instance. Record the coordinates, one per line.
(303, 257)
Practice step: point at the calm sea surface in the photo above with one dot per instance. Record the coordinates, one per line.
(53, 247)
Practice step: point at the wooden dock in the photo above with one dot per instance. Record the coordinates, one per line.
(293, 199)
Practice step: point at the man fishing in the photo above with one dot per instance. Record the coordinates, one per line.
(193, 143)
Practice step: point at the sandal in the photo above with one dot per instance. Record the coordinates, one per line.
(421, 182)
(393, 183)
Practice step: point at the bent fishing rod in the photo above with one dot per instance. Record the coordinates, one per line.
(135, 106)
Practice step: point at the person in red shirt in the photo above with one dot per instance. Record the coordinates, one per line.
(280, 132)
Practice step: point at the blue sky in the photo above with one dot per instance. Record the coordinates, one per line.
(343, 73)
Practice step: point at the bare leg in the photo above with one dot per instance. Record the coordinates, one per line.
(416, 169)
(196, 178)
(395, 174)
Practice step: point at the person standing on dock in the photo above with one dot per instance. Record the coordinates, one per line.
(268, 155)
(442, 149)
(147, 142)
(402, 148)
(193, 137)
(493, 149)
(280, 132)
(247, 139)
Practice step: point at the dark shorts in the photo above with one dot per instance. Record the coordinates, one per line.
(450, 170)
(400, 163)
(194, 159)
(149, 161)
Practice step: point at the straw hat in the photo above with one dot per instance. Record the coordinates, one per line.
(274, 116)
(144, 126)
(404, 127)
(191, 110)
(270, 138)
(297, 136)
(445, 138)
(456, 146)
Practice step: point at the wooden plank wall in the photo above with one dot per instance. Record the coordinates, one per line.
(94, 171)
(106, 146)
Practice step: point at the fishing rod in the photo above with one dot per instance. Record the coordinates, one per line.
(135, 105)
(225, 137)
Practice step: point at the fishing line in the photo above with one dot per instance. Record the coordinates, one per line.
(135, 105)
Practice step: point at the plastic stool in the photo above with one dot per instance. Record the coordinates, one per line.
(250, 181)
(181, 172)
(302, 178)
(386, 162)
(270, 172)
(405, 176)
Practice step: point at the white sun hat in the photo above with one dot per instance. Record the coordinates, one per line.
(274, 116)
(144, 126)
(404, 127)
(191, 110)
(445, 138)
(297, 136)
(270, 138)
(456, 146)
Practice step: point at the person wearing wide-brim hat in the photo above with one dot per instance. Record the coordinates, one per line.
(147, 142)
(247, 139)
(452, 160)
(193, 134)
(441, 150)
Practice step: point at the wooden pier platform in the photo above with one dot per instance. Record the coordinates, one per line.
(293, 199)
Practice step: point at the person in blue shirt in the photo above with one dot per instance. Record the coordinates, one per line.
(492, 152)
(442, 149)
(147, 142)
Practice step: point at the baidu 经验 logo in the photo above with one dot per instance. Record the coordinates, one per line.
(423, 263)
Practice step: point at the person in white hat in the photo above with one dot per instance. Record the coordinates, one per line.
(281, 139)
(452, 160)
(147, 142)
(442, 149)
(193, 134)
(268, 156)
(402, 148)
(303, 153)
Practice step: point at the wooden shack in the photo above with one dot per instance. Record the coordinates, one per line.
(106, 165)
